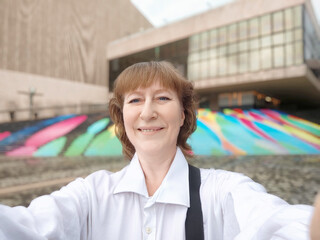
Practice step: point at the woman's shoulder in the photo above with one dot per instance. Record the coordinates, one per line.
(104, 178)
(223, 182)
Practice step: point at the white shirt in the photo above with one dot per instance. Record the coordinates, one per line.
(117, 206)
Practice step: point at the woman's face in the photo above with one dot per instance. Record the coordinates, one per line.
(152, 119)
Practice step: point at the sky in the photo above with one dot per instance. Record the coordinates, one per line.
(162, 12)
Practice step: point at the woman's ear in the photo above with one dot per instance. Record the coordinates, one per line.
(183, 116)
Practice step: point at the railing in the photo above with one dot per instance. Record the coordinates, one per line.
(11, 115)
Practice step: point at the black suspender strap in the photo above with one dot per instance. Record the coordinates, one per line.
(194, 219)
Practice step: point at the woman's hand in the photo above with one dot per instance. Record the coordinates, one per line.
(315, 222)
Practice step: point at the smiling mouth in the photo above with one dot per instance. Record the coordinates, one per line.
(149, 130)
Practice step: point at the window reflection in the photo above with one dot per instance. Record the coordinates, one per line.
(253, 27)
(266, 60)
(298, 53)
(265, 24)
(278, 38)
(213, 35)
(269, 41)
(194, 42)
(232, 33)
(289, 54)
(232, 48)
(277, 21)
(213, 68)
(222, 35)
(254, 60)
(288, 18)
(266, 41)
(297, 11)
(222, 51)
(298, 34)
(222, 66)
(213, 53)
(243, 62)
(289, 36)
(278, 56)
(204, 69)
(243, 30)
(243, 46)
(254, 43)
(232, 64)
(204, 40)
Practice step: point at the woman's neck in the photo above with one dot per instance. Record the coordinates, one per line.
(155, 168)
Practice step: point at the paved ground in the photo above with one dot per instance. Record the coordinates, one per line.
(295, 178)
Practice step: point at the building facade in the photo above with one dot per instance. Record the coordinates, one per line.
(247, 54)
(52, 54)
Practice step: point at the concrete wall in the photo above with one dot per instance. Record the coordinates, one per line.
(224, 15)
(59, 47)
(68, 96)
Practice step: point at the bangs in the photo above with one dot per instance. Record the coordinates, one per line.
(143, 75)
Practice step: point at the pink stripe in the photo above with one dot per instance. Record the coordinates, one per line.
(54, 131)
(22, 151)
(5, 134)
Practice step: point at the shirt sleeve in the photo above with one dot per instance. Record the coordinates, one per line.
(60, 215)
(260, 215)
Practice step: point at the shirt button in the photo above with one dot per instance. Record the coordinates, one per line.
(148, 230)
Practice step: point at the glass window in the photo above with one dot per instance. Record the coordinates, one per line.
(232, 48)
(194, 56)
(204, 40)
(265, 24)
(213, 37)
(254, 43)
(213, 68)
(213, 53)
(222, 70)
(289, 54)
(204, 69)
(222, 35)
(243, 30)
(243, 46)
(204, 54)
(288, 18)
(243, 62)
(254, 27)
(192, 69)
(277, 21)
(232, 64)
(194, 42)
(266, 58)
(298, 34)
(232, 33)
(266, 41)
(278, 56)
(278, 38)
(254, 60)
(289, 36)
(297, 12)
(298, 58)
(222, 51)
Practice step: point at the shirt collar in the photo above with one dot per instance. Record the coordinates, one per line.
(173, 189)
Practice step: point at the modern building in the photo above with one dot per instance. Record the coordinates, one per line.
(52, 54)
(250, 53)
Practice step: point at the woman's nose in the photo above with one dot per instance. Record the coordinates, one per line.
(148, 111)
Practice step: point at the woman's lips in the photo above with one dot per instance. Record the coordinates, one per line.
(150, 129)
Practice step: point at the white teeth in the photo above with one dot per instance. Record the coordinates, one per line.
(148, 130)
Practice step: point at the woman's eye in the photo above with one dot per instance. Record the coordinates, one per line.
(135, 100)
(164, 98)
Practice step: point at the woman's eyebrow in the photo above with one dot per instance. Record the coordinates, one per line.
(133, 93)
(162, 90)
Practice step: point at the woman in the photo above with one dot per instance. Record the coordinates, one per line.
(153, 110)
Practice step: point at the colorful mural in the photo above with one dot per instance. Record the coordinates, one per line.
(233, 132)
